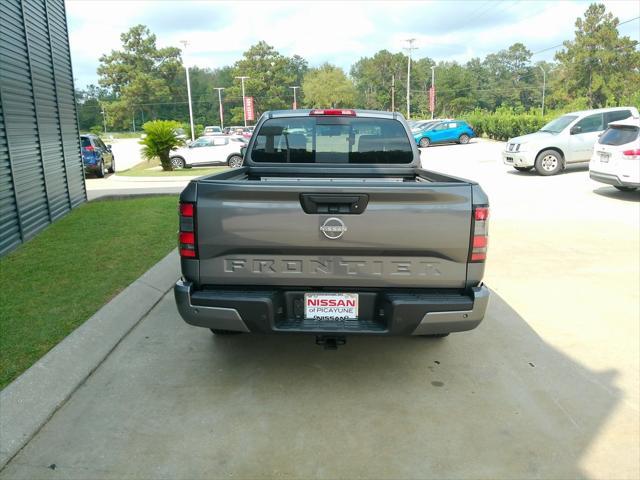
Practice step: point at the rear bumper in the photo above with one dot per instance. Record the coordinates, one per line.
(381, 312)
(611, 179)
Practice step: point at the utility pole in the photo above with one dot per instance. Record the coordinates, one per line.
(295, 101)
(220, 105)
(393, 92)
(433, 86)
(544, 86)
(409, 49)
(104, 120)
(244, 109)
(186, 68)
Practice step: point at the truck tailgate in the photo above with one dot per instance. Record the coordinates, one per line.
(408, 235)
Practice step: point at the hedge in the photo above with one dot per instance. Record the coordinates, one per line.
(504, 124)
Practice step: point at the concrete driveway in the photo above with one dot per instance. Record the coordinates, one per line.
(546, 387)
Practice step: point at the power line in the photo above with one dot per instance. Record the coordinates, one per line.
(562, 44)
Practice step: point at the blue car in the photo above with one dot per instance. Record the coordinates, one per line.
(449, 131)
(96, 156)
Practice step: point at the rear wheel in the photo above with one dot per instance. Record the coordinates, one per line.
(224, 332)
(625, 189)
(523, 169)
(177, 162)
(549, 162)
(424, 142)
(100, 172)
(235, 161)
(464, 139)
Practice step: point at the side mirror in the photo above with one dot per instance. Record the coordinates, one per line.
(575, 130)
(108, 148)
(243, 151)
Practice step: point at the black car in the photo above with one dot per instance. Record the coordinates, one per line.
(96, 156)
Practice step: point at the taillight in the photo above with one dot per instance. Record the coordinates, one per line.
(187, 235)
(88, 148)
(632, 153)
(480, 237)
(333, 111)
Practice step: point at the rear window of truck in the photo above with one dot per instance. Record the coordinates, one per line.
(332, 139)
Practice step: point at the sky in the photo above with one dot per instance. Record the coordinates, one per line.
(339, 32)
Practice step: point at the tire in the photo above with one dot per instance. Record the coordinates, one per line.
(548, 162)
(424, 142)
(523, 169)
(215, 331)
(235, 161)
(625, 189)
(177, 162)
(100, 172)
(464, 139)
(112, 168)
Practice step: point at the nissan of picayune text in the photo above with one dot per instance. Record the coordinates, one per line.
(331, 227)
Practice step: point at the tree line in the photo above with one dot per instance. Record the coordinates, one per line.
(140, 81)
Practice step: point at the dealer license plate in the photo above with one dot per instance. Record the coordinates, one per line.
(331, 306)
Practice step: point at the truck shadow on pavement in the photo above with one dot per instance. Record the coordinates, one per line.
(171, 401)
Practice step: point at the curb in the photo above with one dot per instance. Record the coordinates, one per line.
(33, 398)
(176, 179)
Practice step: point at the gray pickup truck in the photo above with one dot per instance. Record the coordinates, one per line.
(332, 228)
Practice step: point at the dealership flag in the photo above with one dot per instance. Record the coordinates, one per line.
(249, 113)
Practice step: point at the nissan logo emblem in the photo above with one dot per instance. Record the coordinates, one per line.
(333, 228)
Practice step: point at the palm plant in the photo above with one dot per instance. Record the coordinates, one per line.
(160, 139)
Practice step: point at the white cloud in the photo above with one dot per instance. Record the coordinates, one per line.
(338, 32)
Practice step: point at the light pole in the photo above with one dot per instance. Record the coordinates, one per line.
(186, 68)
(244, 105)
(544, 86)
(295, 102)
(104, 120)
(433, 89)
(409, 49)
(220, 105)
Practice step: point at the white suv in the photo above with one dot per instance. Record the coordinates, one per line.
(616, 156)
(567, 139)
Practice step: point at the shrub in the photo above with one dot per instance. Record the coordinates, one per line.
(505, 123)
(96, 130)
(160, 139)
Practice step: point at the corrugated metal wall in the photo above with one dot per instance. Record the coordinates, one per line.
(41, 174)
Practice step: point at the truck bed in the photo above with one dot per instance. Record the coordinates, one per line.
(412, 230)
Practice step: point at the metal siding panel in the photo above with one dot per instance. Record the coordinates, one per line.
(39, 138)
(66, 97)
(9, 225)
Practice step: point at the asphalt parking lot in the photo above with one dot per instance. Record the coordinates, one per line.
(546, 387)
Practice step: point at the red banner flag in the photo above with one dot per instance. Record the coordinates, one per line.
(249, 113)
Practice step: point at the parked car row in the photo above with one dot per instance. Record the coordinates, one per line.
(605, 137)
(233, 130)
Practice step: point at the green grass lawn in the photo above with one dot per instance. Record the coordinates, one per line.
(53, 283)
(142, 170)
